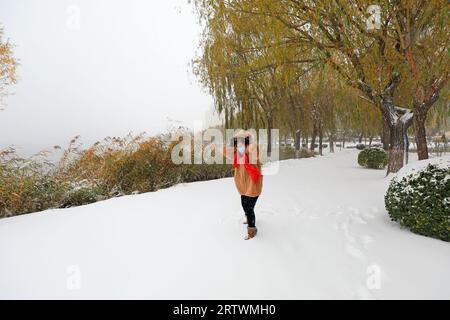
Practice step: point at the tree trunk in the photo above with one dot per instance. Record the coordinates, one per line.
(320, 141)
(420, 135)
(398, 124)
(313, 140)
(360, 138)
(269, 133)
(298, 143)
(226, 119)
(370, 140)
(406, 147)
(385, 133)
(399, 145)
(297, 140)
(397, 149)
(331, 141)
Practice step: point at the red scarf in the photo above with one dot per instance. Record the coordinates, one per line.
(252, 171)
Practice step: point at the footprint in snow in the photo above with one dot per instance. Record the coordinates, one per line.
(355, 253)
(355, 216)
(335, 213)
(372, 214)
(368, 215)
(343, 226)
(357, 219)
(354, 246)
(365, 240)
(296, 212)
(267, 211)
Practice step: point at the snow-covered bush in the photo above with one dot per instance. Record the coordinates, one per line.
(374, 158)
(419, 198)
(113, 167)
(81, 193)
(360, 146)
(25, 184)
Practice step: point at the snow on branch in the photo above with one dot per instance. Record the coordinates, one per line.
(407, 116)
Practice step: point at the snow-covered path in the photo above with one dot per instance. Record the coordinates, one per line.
(323, 233)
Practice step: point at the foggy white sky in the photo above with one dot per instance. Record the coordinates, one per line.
(125, 69)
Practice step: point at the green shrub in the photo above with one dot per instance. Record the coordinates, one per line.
(362, 158)
(373, 158)
(82, 195)
(291, 153)
(421, 202)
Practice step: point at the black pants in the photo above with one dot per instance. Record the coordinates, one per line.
(248, 203)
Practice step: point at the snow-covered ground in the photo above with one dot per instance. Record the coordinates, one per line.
(323, 233)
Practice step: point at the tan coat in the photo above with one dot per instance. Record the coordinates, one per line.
(244, 184)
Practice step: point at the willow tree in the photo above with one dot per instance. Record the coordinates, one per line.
(439, 118)
(409, 36)
(424, 45)
(295, 112)
(320, 89)
(402, 42)
(7, 66)
(240, 65)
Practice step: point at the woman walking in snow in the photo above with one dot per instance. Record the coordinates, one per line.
(247, 176)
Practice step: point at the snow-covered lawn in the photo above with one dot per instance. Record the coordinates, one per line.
(323, 233)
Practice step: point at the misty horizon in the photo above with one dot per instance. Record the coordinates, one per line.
(120, 68)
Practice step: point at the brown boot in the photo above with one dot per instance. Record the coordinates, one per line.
(251, 232)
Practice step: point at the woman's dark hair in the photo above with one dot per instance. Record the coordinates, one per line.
(246, 141)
